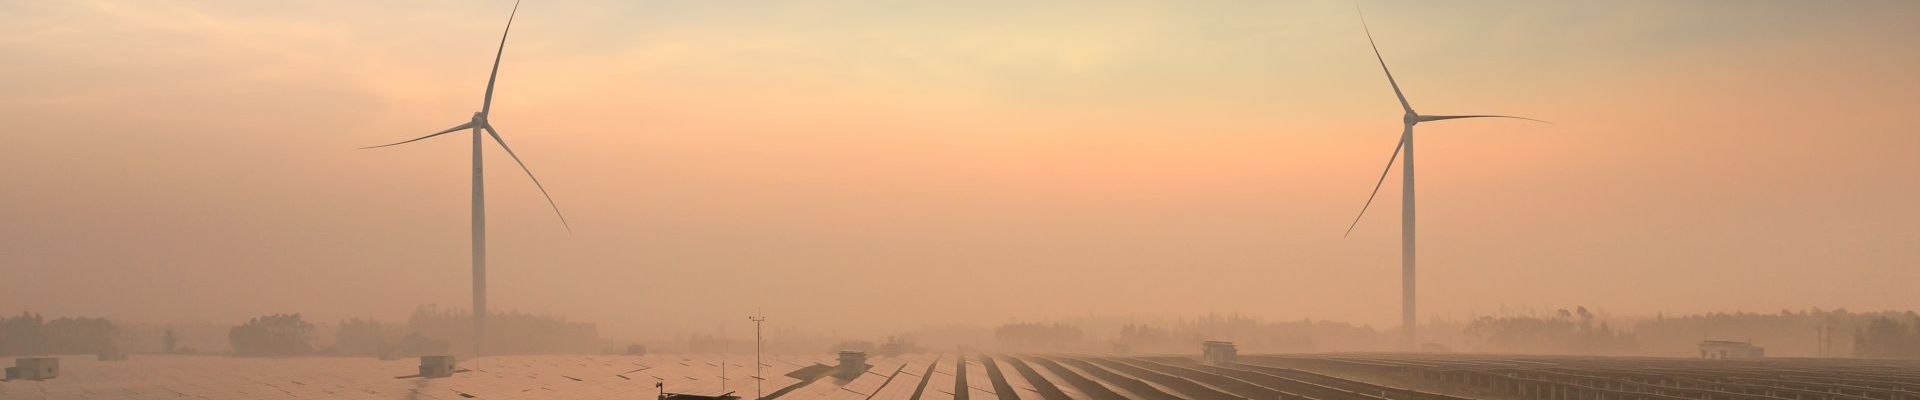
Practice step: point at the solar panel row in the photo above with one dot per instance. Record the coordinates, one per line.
(980, 377)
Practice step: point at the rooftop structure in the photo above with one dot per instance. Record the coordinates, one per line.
(436, 366)
(852, 363)
(34, 368)
(1218, 352)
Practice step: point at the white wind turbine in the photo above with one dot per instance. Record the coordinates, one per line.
(477, 124)
(1410, 119)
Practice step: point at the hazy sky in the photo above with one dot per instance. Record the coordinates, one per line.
(864, 166)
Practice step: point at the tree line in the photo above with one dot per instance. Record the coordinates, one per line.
(428, 330)
(32, 334)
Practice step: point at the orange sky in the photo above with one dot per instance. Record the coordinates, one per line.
(868, 167)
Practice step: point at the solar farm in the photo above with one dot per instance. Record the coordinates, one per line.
(983, 377)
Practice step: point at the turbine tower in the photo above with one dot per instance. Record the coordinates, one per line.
(1405, 145)
(478, 123)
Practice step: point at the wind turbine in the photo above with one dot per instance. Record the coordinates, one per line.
(477, 124)
(1410, 119)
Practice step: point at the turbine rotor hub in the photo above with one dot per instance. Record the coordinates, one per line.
(1411, 118)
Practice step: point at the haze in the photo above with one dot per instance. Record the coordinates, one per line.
(862, 168)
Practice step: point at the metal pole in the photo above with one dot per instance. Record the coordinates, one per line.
(758, 347)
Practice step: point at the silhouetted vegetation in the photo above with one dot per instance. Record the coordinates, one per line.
(894, 345)
(897, 345)
(433, 330)
(1036, 336)
(1787, 333)
(1566, 332)
(708, 343)
(507, 332)
(273, 335)
(168, 342)
(32, 334)
(1140, 337)
(1885, 337)
(1249, 334)
(365, 337)
(852, 345)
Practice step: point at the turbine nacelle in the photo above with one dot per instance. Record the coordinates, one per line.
(479, 123)
(1409, 119)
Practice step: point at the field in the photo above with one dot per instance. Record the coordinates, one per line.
(987, 377)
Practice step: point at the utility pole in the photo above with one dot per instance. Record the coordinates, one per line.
(758, 344)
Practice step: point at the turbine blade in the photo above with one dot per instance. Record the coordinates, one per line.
(487, 105)
(1383, 62)
(465, 126)
(1425, 118)
(1383, 179)
(536, 180)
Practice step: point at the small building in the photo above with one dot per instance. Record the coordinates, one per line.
(34, 368)
(852, 363)
(1725, 349)
(436, 366)
(636, 349)
(1218, 352)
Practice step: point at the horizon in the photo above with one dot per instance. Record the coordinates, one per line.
(873, 169)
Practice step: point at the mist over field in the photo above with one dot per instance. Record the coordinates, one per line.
(980, 200)
(1087, 176)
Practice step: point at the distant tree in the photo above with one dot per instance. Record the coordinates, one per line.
(507, 332)
(21, 335)
(853, 345)
(1788, 333)
(365, 337)
(1145, 338)
(80, 336)
(415, 345)
(168, 342)
(32, 334)
(273, 335)
(897, 345)
(1567, 332)
(1036, 336)
(1885, 337)
(709, 343)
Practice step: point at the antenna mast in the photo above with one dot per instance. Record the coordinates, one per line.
(758, 344)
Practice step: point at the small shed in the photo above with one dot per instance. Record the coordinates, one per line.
(1218, 352)
(852, 363)
(436, 366)
(1726, 349)
(34, 368)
